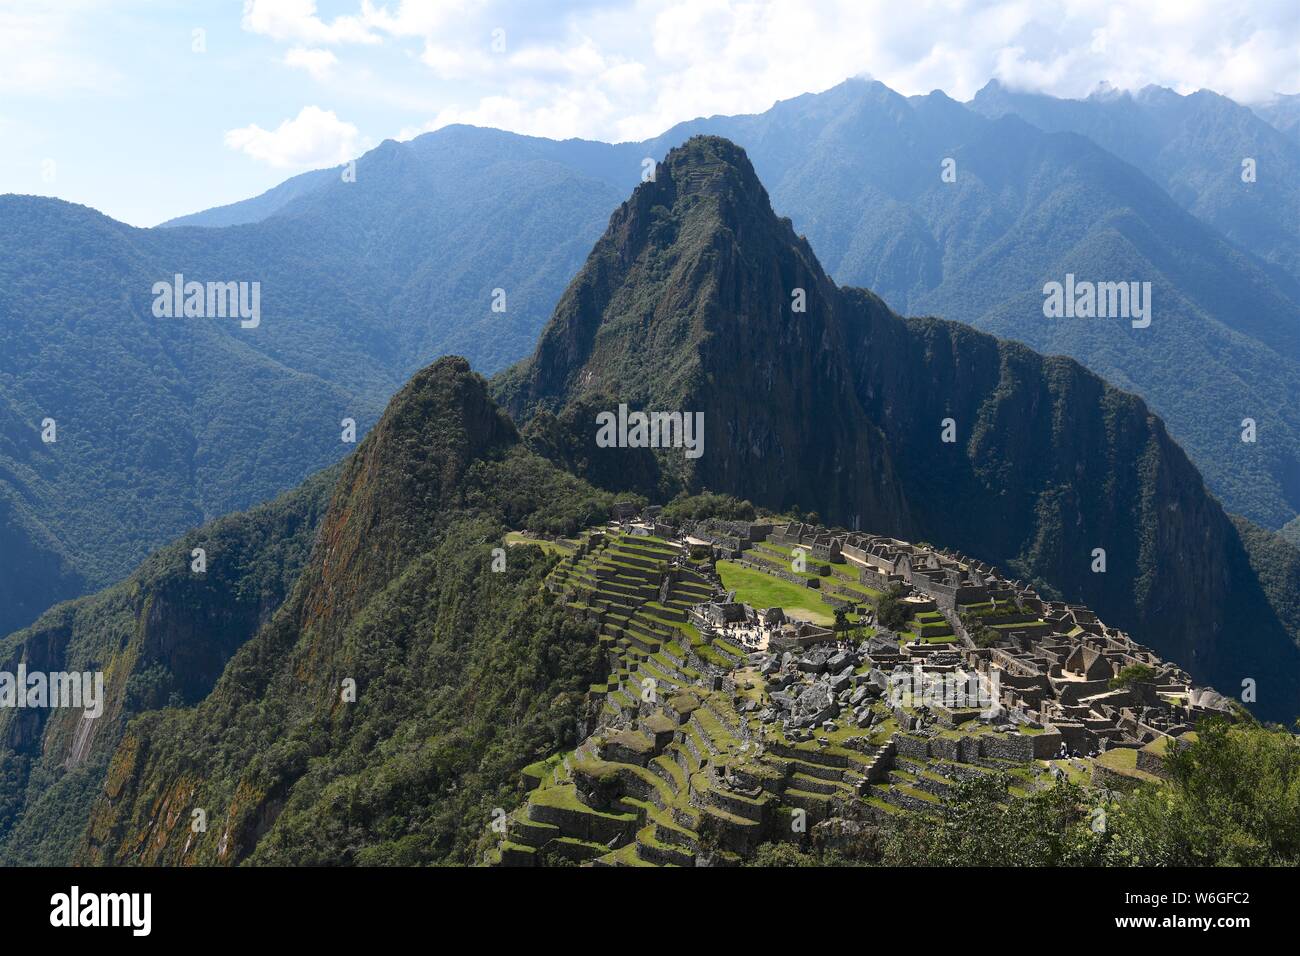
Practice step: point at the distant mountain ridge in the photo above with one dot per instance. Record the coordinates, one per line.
(1282, 112)
(165, 423)
(1194, 146)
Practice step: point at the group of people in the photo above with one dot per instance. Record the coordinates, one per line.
(1066, 752)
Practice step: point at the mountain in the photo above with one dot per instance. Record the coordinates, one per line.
(364, 282)
(383, 682)
(686, 304)
(858, 170)
(462, 673)
(1282, 112)
(260, 207)
(161, 638)
(1194, 147)
(163, 423)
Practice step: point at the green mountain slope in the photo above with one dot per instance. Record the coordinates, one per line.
(165, 423)
(161, 637)
(462, 675)
(1193, 146)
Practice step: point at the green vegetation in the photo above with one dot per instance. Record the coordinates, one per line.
(762, 590)
(1233, 799)
(891, 612)
(1133, 674)
(162, 637)
(463, 676)
(707, 505)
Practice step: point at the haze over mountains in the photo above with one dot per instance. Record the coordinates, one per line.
(1193, 147)
(365, 281)
(464, 675)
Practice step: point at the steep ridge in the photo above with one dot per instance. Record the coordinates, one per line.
(462, 675)
(686, 304)
(695, 275)
(161, 638)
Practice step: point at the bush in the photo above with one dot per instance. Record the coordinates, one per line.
(707, 505)
(891, 612)
(1133, 674)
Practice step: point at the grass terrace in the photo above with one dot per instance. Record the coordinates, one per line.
(762, 591)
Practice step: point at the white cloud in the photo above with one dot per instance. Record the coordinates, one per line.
(297, 20)
(319, 63)
(45, 50)
(315, 137)
(627, 70)
(455, 62)
(416, 18)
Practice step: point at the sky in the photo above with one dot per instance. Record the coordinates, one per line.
(150, 109)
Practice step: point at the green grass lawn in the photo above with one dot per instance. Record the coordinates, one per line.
(514, 538)
(762, 591)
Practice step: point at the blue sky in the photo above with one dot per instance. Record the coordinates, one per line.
(148, 110)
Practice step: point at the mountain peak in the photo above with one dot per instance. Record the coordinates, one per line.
(707, 167)
(407, 470)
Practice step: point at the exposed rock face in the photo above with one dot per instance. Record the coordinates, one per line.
(688, 303)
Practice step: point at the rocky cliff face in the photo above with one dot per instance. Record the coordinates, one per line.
(689, 303)
(160, 638)
(698, 299)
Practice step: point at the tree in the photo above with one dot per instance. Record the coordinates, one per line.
(1133, 674)
(1233, 799)
(891, 612)
(981, 824)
